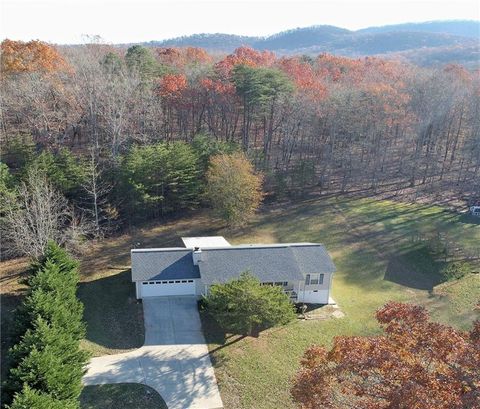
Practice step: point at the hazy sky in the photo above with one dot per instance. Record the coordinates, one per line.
(66, 21)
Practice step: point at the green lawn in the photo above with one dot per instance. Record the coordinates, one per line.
(121, 396)
(114, 317)
(378, 248)
(379, 257)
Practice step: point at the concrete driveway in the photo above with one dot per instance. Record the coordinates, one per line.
(174, 360)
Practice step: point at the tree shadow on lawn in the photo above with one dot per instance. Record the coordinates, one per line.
(414, 269)
(121, 395)
(467, 218)
(216, 337)
(113, 315)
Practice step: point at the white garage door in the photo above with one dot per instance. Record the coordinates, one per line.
(170, 287)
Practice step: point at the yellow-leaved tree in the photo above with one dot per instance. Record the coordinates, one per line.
(233, 188)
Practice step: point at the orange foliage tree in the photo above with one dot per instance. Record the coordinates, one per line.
(172, 85)
(32, 56)
(415, 364)
(244, 56)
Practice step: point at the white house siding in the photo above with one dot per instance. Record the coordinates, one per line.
(313, 296)
(315, 293)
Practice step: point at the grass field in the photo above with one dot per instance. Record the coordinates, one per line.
(379, 258)
(378, 248)
(121, 396)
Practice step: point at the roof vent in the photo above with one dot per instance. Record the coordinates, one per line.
(197, 255)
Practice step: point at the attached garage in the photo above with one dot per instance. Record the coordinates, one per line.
(167, 287)
(165, 272)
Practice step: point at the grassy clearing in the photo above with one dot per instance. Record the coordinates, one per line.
(379, 258)
(379, 252)
(121, 396)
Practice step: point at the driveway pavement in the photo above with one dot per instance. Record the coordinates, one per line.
(174, 360)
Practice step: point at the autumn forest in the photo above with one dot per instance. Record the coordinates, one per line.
(319, 124)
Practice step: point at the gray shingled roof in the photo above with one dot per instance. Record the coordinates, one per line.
(313, 258)
(163, 264)
(269, 263)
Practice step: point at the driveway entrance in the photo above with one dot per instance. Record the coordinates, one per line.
(174, 360)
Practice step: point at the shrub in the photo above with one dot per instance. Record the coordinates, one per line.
(244, 306)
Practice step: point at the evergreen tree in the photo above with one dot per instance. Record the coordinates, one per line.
(30, 398)
(160, 178)
(206, 147)
(52, 361)
(47, 362)
(63, 170)
(7, 192)
(52, 293)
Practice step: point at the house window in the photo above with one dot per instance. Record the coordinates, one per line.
(280, 283)
(151, 282)
(184, 281)
(190, 281)
(285, 283)
(145, 283)
(314, 279)
(171, 282)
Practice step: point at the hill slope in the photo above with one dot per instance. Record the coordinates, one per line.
(463, 37)
(465, 28)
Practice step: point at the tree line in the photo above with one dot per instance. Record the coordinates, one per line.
(56, 195)
(326, 124)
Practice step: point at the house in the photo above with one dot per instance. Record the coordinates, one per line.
(303, 270)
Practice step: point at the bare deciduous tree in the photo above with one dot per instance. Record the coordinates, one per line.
(39, 214)
(97, 190)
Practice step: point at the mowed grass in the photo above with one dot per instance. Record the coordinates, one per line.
(377, 246)
(378, 257)
(121, 396)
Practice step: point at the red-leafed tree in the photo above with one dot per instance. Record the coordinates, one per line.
(171, 85)
(304, 77)
(415, 364)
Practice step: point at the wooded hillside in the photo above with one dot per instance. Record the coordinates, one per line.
(102, 121)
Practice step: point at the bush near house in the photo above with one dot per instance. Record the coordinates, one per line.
(47, 362)
(244, 306)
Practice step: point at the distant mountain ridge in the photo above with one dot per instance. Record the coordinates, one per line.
(401, 38)
(465, 28)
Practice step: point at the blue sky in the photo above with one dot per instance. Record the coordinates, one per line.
(67, 21)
